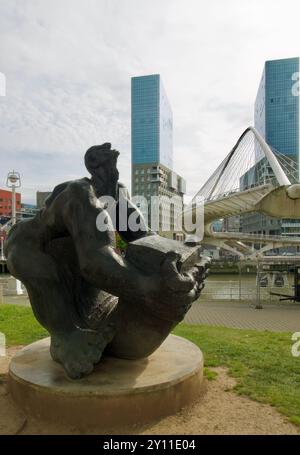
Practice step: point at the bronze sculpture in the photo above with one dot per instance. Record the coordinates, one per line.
(89, 298)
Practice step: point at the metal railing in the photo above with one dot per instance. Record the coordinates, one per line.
(240, 291)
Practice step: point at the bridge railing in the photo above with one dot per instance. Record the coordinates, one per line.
(256, 238)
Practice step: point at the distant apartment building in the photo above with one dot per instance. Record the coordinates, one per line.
(41, 196)
(277, 119)
(6, 203)
(152, 175)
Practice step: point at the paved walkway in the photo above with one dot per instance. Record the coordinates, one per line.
(281, 317)
(276, 318)
(16, 300)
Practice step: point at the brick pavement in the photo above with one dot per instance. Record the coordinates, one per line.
(276, 318)
(279, 317)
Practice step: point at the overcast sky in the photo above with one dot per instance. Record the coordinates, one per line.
(68, 65)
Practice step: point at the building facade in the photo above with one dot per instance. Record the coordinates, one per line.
(277, 119)
(151, 122)
(6, 203)
(41, 197)
(231, 224)
(276, 114)
(156, 188)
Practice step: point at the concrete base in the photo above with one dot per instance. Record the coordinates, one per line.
(119, 392)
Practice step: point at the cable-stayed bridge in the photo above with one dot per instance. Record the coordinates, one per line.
(253, 177)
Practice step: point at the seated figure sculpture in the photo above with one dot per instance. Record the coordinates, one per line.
(91, 299)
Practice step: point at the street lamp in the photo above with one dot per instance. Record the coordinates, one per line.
(2, 258)
(13, 181)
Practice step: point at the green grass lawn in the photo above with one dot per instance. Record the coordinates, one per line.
(260, 361)
(19, 325)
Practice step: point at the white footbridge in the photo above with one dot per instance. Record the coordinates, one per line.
(253, 177)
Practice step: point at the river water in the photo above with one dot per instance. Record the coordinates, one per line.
(233, 287)
(244, 287)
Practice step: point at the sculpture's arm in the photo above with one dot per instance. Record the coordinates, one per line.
(75, 212)
(77, 209)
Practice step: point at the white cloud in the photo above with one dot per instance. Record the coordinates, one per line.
(68, 65)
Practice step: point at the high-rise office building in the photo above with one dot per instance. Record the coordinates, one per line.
(276, 115)
(152, 154)
(277, 119)
(151, 122)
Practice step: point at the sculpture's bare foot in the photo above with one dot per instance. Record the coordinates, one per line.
(80, 350)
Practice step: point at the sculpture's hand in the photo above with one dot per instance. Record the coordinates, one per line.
(178, 290)
(175, 281)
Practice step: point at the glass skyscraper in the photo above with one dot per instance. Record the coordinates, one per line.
(277, 119)
(152, 172)
(151, 122)
(277, 107)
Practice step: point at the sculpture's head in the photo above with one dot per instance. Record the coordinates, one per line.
(101, 162)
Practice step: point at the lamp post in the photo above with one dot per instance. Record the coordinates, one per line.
(13, 181)
(2, 258)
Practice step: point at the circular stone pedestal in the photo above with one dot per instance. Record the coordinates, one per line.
(119, 392)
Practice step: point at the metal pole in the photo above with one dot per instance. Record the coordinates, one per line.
(258, 304)
(13, 214)
(19, 289)
(2, 258)
(240, 281)
(13, 182)
(276, 168)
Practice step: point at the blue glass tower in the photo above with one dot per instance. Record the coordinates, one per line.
(277, 106)
(152, 172)
(277, 119)
(151, 122)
